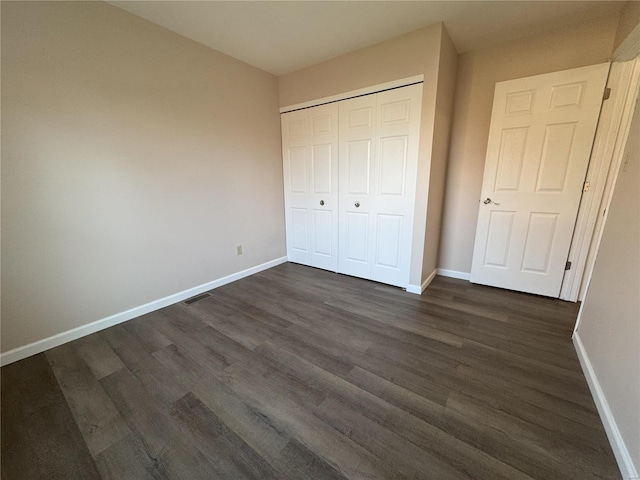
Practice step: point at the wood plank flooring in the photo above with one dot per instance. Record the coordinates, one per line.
(298, 373)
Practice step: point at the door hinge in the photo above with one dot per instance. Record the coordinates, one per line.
(567, 266)
(607, 94)
(585, 187)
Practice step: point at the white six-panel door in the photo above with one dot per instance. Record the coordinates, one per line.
(310, 164)
(378, 140)
(540, 140)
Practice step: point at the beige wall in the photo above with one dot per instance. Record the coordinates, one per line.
(585, 44)
(412, 54)
(610, 320)
(440, 152)
(629, 19)
(133, 163)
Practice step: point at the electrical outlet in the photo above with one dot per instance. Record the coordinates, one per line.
(239, 250)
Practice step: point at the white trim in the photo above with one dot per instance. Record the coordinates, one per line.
(616, 161)
(419, 289)
(625, 463)
(454, 274)
(608, 147)
(78, 332)
(403, 82)
(429, 279)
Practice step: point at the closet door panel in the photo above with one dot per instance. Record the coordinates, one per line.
(323, 196)
(310, 155)
(398, 133)
(296, 185)
(357, 167)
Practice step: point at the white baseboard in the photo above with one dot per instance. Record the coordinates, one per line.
(454, 274)
(73, 334)
(625, 463)
(419, 289)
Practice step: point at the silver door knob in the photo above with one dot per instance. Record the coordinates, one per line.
(487, 201)
(357, 204)
(321, 202)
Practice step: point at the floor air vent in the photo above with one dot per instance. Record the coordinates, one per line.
(197, 298)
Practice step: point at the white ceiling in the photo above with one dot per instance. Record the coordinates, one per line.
(283, 36)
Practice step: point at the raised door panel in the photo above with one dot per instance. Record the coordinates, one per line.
(510, 158)
(358, 167)
(519, 103)
(299, 230)
(295, 127)
(321, 168)
(498, 238)
(393, 165)
(388, 241)
(539, 242)
(323, 233)
(297, 158)
(356, 238)
(557, 149)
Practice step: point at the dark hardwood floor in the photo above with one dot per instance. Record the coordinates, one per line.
(298, 373)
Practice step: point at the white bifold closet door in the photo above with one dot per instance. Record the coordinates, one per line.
(378, 163)
(310, 164)
(350, 178)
